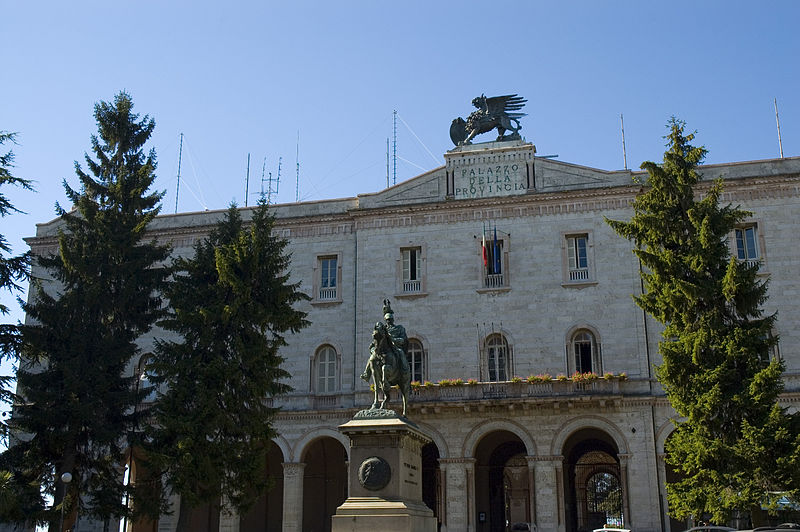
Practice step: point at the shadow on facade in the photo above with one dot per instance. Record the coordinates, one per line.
(502, 493)
(592, 480)
(324, 482)
(266, 515)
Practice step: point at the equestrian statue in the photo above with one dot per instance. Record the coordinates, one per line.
(496, 112)
(387, 365)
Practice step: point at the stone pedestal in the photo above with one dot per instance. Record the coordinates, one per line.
(385, 477)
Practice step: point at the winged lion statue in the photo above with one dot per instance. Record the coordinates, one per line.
(496, 112)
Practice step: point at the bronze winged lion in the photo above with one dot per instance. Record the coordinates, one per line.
(496, 112)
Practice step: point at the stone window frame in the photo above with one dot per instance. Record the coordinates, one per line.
(509, 356)
(596, 345)
(757, 225)
(317, 276)
(423, 358)
(314, 368)
(488, 282)
(570, 278)
(401, 287)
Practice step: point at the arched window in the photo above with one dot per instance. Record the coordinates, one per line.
(497, 358)
(585, 352)
(326, 370)
(415, 355)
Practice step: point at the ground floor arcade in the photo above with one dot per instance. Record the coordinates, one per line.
(564, 470)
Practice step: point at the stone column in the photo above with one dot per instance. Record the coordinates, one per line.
(293, 496)
(531, 460)
(662, 489)
(229, 520)
(549, 492)
(458, 485)
(623, 480)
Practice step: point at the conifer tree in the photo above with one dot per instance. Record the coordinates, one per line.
(13, 270)
(79, 398)
(734, 444)
(231, 304)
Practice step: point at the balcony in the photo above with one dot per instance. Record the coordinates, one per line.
(327, 294)
(479, 394)
(495, 280)
(412, 286)
(579, 274)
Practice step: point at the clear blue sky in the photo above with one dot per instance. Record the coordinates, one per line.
(245, 77)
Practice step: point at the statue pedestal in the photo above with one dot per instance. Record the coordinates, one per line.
(385, 477)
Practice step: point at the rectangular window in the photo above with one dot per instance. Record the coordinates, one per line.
(412, 270)
(578, 257)
(328, 277)
(494, 264)
(746, 248)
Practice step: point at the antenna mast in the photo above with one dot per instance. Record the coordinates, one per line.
(387, 162)
(297, 178)
(394, 148)
(777, 121)
(178, 188)
(624, 155)
(263, 172)
(247, 181)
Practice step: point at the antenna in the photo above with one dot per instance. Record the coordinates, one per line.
(278, 181)
(178, 188)
(263, 172)
(247, 181)
(387, 162)
(624, 155)
(777, 121)
(394, 148)
(297, 178)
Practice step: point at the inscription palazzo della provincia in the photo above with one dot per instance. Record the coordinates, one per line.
(490, 180)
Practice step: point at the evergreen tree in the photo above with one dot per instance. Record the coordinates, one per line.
(231, 305)
(734, 444)
(13, 270)
(79, 397)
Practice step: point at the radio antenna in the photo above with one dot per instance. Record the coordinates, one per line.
(297, 176)
(178, 188)
(624, 155)
(394, 148)
(247, 181)
(778, 121)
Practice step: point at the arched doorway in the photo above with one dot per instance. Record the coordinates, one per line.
(594, 490)
(324, 482)
(431, 480)
(266, 515)
(502, 493)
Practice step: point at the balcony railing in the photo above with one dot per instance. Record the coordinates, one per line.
(479, 392)
(752, 262)
(412, 286)
(579, 275)
(327, 293)
(494, 280)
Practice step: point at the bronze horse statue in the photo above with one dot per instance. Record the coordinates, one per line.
(387, 367)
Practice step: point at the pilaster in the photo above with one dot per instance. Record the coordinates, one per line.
(293, 496)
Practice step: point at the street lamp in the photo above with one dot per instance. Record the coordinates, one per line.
(66, 478)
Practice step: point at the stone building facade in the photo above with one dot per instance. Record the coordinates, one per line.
(550, 295)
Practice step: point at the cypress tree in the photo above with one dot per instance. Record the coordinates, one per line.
(734, 444)
(231, 305)
(79, 398)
